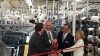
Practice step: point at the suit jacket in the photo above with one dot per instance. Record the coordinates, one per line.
(36, 44)
(68, 42)
(46, 39)
(77, 51)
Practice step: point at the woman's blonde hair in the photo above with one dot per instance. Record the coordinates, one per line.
(81, 32)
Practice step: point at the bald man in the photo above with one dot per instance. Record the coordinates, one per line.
(49, 35)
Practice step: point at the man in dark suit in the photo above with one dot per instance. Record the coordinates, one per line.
(36, 43)
(65, 39)
(49, 36)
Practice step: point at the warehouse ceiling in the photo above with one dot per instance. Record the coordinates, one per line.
(18, 3)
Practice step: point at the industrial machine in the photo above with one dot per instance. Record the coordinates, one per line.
(15, 42)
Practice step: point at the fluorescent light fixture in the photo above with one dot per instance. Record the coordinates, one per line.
(78, 0)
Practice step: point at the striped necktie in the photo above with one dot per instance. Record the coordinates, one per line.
(49, 36)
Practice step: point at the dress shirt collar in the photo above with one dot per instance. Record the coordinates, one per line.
(39, 33)
(65, 35)
(48, 31)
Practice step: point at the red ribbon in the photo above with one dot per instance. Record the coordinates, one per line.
(55, 45)
(58, 51)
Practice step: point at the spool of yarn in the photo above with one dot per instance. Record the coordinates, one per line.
(89, 37)
(54, 17)
(7, 19)
(90, 29)
(42, 18)
(62, 7)
(99, 30)
(27, 39)
(98, 51)
(89, 54)
(98, 40)
(15, 17)
(83, 18)
(34, 12)
(27, 17)
(43, 7)
(95, 18)
(94, 39)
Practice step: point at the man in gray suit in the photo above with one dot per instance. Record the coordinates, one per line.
(36, 43)
(49, 36)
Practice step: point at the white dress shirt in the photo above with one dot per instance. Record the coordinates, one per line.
(77, 51)
(50, 33)
(64, 35)
(39, 33)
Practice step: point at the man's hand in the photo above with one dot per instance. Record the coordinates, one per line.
(54, 54)
(54, 40)
(57, 54)
(60, 54)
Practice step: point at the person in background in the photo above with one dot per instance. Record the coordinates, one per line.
(65, 39)
(79, 43)
(3, 49)
(36, 43)
(49, 36)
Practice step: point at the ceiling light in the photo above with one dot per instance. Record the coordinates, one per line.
(78, 0)
(72, 3)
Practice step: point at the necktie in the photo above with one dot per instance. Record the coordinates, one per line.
(63, 38)
(49, 36)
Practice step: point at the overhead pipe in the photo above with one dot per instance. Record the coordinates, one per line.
(21, 8)
(47, 8)
(87, 8)
(5, 5)
(53, 7)
(29, 3)
(67, 7)
(50, 11)
(74, 18)
(57, 8)
(10, 2)
(67, 11)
